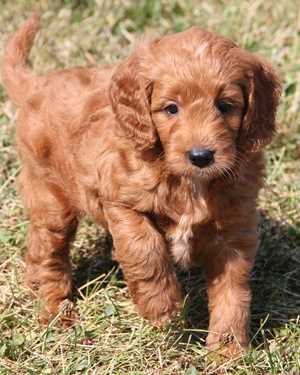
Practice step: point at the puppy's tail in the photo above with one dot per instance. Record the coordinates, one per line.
(16, 75)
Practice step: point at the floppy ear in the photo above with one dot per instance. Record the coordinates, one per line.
(263, 91)
(130, 95)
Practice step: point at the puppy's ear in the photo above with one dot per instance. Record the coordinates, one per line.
(263, 92)
(130, 95)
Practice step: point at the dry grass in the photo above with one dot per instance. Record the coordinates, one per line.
(110, 338)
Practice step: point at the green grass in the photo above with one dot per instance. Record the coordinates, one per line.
(110, 337)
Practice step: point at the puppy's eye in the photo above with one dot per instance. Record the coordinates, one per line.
(171, 109)
(224, 107)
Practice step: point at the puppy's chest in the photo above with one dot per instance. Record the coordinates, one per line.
(185, 212)
(177, 206)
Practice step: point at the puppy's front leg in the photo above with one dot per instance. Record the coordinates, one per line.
(227, 266)
(142, 254)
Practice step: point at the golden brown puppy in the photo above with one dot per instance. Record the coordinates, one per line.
(165, 151)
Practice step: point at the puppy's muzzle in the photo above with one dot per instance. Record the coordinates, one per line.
(201, 157)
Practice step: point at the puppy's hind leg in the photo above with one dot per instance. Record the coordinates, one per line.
(53, 225)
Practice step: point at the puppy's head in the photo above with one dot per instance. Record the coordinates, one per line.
(207, 101)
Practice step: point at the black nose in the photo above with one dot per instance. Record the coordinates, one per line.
(201, 157)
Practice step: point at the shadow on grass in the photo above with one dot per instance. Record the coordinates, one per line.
(276, 277)
(97, 261)
(275, 281)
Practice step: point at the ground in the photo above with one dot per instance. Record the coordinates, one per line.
(110, 338)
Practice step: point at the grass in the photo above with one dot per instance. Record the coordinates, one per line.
(110, 337)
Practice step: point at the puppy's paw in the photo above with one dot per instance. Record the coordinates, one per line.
(68, 314)
(62, 314)
(165, 313)
(157, 304)
(227, 346)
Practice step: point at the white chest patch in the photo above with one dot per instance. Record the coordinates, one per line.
(180, 238)
(182, 235)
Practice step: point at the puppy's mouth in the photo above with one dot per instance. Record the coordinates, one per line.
(212, 170)
(203, 164)
(215, 169)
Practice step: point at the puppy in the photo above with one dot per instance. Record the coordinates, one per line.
(165, 150)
